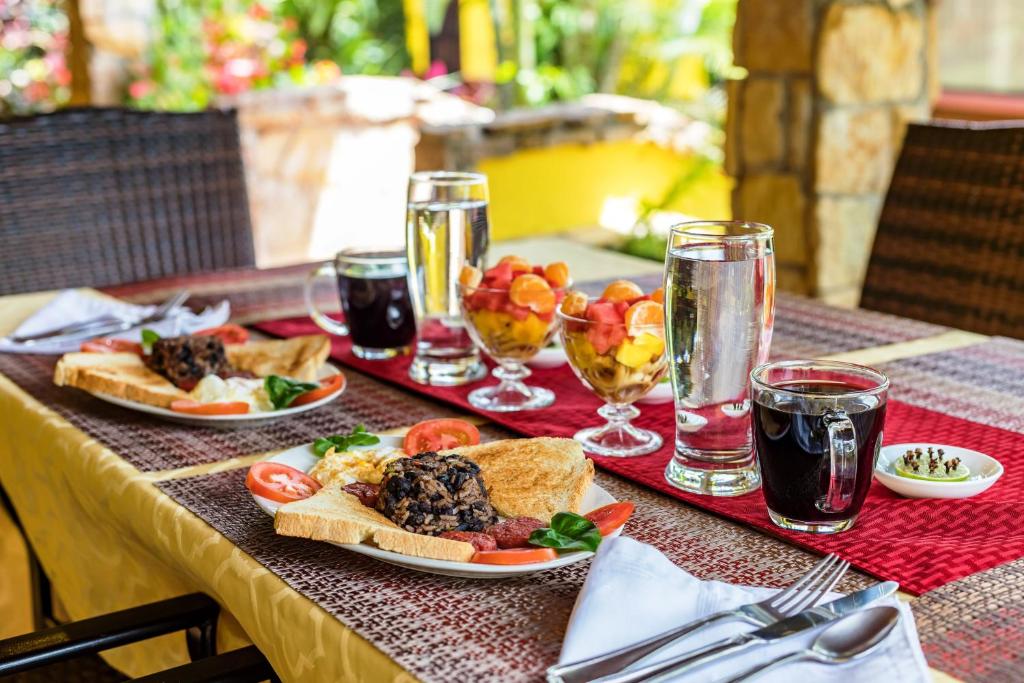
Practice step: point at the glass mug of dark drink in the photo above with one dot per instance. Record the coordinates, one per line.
(374, 292)
(817, 434)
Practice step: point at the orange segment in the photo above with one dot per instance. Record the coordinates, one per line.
(532, 291)
(622, 290)
(575, 304)
(519, 264)
(557, 273)
(658, 295)
(645, 317)
(470, 276)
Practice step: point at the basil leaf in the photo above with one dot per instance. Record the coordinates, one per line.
(282, 391)
(149, 337)
(342, 442)
(568, 532)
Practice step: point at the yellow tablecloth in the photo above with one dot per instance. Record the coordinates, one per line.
(110, 540)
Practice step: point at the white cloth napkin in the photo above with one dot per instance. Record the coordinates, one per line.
(72, 306)
(634, 592)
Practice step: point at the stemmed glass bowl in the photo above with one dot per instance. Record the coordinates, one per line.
(620, 362)
(511, 335)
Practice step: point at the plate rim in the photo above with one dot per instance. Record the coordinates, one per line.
(449, 567)
(326, 370)
(884, 476)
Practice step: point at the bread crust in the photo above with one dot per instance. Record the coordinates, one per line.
(299, 357)
(333, 515)
(533, 477)
(125, 375)
(121, 375)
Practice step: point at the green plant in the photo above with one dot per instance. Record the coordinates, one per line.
(33, 74)
(361, 36)
(561, 49)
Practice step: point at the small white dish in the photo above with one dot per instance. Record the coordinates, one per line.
(302, 458)
(548, 357)
(661, 393)
(985, 471)
(251, 419)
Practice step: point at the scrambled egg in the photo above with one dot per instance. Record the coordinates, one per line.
(347, 467)
(212, 389)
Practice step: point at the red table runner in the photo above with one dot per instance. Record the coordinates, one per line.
(921, 543)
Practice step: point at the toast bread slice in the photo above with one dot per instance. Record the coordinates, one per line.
(532, 477)
(122, 375)
(331, 514)
(298, 358)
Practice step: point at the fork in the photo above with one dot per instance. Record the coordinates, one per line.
(803, 593)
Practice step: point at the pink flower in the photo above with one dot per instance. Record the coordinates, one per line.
(140, 89)
(437, 68)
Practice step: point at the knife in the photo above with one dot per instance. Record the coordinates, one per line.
(808, 619)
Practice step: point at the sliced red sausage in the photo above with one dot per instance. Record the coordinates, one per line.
(514, 532)
(366, 493)
(480, 541)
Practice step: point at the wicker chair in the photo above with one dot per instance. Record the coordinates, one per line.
(94, 197)
(950, 241)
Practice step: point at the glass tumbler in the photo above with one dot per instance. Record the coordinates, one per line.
(818, 431)
(719, 312)
(446, 227)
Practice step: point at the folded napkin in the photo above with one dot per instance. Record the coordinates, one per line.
(72, 306)
(634, 592)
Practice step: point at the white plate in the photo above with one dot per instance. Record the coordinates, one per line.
(251, 419)
(548, 357)
(303, 458)
(984, 469)
(661, 393)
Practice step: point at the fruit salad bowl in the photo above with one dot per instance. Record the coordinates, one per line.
(616, 347)
(509, 312)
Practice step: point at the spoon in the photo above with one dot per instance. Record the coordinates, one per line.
(843, 641)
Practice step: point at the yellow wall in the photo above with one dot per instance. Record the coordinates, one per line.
(564, 187)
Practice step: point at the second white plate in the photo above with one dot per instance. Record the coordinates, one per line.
(251, 419)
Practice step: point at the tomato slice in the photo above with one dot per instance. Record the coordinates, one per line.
(611, 517)
(279, 482)
(229, 333)
(437, 435)
(328, 386)
(107, 345)
(190, 407)
(514, 556)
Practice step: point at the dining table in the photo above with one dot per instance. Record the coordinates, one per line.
(123, 509)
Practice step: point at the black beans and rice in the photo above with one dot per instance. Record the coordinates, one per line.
(430, 494)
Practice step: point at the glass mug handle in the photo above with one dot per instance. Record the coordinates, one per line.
(321, 320)
(842, 452)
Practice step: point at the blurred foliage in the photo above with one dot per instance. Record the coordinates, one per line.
(33, 74)
(361, 36)
(203, 48)
(673, 51)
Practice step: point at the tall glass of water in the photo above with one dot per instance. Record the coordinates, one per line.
(719, 311)
(446, 227)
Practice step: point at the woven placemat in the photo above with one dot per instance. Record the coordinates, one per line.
(982, 383)
(151, 444)
(447, 629)
(971, 629)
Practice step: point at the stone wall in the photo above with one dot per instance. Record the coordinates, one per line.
(814, 129)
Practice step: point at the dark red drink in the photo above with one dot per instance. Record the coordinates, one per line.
(374, 292)
(791, 435)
